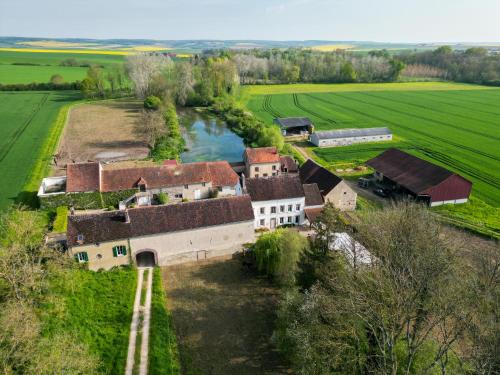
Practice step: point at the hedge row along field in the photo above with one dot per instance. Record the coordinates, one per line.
(28, 120)
(456, 126)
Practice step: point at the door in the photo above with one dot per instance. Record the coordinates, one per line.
(273, 223)
(197, 194)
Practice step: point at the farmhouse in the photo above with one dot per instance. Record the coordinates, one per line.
(332, 188)
(344, 137)
(420, 179)
(267, 162)
(295, 125)
(142, 182)
(161, 235)
(280, 200)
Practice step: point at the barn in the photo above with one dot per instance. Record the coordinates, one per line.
(344, 137)
(295, 125)
(420, 179)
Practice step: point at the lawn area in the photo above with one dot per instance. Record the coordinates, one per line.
(456, 126)
(28, 67)
(223, 318)
(96, 309)
(31, 125)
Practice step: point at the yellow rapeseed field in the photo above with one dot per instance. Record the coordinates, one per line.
(332, 47)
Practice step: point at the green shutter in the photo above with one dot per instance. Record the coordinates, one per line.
(76, 257)
(85, 256)
(124, 250)
(115, 253)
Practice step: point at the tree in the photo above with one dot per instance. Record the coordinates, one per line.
(184, 81)
(151, 125)
(93, 84)
(347, 72)
(143, 67)
(57, 79)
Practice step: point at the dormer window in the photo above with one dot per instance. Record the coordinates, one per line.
(256, 169)
(80, 238)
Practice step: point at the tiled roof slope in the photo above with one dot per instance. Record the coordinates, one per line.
(262, 155)
(274, 188)
(109, 226)
(312, 173)
(288, 163)
(313, 195)
(82, 177)
(413, 173)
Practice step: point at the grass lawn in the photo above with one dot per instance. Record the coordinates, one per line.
(31, 124)
(163, 353)
(97, 310)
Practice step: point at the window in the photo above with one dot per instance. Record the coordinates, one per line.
(178, 196)
(219, 188)
(282, 220)
(285, 169)
(80, 238)
(264, 175)
(273, 174)
(82, 257)
(256, 169)
(298, 207)
(290, 208)
(345, 192)
(273, 210)
(289, 219)
(282, 208)
(262, 222)
(297, 218)
(99, 256)
(256, 175)
(203, 184)
(119, 251)
(262, 210)
(186, 186)
(274, 167)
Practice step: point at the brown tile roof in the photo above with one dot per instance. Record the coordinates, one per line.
(82, 177)
(313, 195)
(262, 155)
(407, 170)
(311, 172)
(219, 173)
(288, 164)
(109, 226)
(312, 213)
(273, 188)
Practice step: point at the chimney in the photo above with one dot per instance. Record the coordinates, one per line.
(243, 181)
(127, 217)
(72, 211)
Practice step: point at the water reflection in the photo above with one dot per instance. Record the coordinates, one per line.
(208, 138)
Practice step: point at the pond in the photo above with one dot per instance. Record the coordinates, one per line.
(209, 138)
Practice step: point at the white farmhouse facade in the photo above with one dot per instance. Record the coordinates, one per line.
(345, 137)
(274, 213)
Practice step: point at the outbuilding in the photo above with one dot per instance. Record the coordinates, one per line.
(295, 125)
(345, 137)
(420, 179)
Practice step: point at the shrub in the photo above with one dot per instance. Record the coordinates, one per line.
(162, 198)
(61, 220)
(152, 102)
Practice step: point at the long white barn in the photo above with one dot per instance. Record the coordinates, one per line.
(344, 137)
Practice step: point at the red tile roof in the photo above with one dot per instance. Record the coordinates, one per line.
(143, 221)
(262, 155)
(82, 177)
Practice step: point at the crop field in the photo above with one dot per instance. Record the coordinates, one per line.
(31, 66)
(456, 126)
(26, 120)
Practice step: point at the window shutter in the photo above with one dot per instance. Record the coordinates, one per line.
(115, 253)
(124, 250)
(85, 256)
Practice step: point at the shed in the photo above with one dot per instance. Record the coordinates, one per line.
(344, 137)
(421, 179)
(295, 125)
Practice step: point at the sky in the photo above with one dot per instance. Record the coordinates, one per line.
(411, 21)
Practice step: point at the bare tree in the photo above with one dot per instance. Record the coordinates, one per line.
(151, 126)
(184, 81)
(143, 67)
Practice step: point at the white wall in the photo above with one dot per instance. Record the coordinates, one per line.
(348, 141)
(267, 215)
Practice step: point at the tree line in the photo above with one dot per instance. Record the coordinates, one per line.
(426, 303)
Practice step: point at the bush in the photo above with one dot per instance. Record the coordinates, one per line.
(162, 198)
(278, 254)
(152, 102)
(171, 145)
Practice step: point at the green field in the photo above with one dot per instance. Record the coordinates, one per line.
(45, 65)
(26, 119)
(454, 125)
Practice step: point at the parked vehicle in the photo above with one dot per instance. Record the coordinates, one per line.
(364, 183)
(384, 193)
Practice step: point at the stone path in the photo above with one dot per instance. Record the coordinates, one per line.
(136, 327)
